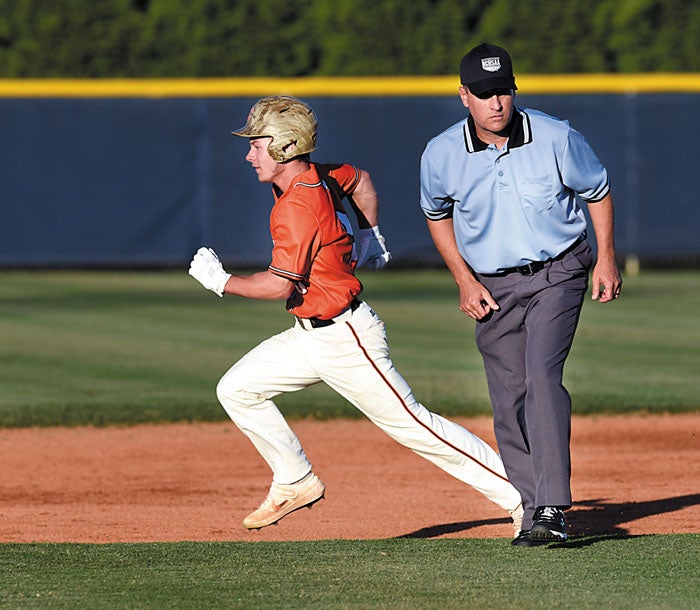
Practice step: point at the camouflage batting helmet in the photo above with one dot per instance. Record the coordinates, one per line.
(287, 120)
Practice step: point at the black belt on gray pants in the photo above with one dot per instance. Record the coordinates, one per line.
(532, 268)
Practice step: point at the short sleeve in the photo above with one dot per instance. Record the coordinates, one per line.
(434, 202)
(347, 176)
(582, 170)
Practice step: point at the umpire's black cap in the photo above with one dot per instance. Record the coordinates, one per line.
(487, 67)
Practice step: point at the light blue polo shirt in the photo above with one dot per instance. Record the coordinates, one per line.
(517, 205)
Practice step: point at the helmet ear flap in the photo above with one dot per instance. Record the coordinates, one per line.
(275, 153)
(278, 148)
(285, 119)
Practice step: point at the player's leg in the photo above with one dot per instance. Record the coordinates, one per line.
(246, 391)
(353, 359)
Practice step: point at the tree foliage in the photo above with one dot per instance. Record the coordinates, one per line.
(202, 38)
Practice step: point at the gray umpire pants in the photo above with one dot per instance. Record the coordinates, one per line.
(524, 346)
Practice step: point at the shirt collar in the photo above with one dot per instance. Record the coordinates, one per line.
(308, 176)
(520, 133)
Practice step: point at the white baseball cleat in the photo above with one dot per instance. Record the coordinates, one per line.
(284, 499)
(517, 516)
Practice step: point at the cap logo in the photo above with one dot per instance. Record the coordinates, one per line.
(491, 64)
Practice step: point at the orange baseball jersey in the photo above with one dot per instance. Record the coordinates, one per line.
(310, 245)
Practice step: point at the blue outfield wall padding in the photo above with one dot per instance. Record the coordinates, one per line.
(144, 181)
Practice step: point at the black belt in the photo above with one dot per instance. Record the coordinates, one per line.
(534, 267)
(320, 323)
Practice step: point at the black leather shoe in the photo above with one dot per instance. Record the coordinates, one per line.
(548, 525)
(522, 539)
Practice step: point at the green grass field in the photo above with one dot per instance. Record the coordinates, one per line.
(642, 573)
(94, 348)
(120, 348)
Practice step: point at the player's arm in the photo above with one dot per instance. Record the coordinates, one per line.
(207, 269)
(371, 250)
(365, 201)
(262, 285)
(474, 299)
(606, 281)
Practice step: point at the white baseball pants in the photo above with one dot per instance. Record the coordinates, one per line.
(352, 357)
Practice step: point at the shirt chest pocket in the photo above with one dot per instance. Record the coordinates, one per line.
(536, 193)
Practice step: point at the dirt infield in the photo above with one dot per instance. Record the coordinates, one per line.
(631, 475)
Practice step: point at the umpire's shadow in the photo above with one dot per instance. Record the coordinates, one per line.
(600, 520)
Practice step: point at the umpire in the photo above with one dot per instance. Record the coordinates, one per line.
(501, 193)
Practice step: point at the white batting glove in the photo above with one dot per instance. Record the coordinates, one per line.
(207, 269)
(371, 249)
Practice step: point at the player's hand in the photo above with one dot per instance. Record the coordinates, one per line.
(371, 249)
(476, 301)
(207, 269)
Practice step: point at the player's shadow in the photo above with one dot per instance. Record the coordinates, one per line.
(599, 520)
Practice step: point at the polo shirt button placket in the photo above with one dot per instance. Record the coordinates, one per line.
(499, 172)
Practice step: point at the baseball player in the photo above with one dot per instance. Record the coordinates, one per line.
(336, 337)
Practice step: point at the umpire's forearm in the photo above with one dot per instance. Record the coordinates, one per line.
(442, 232)
(602, 219)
